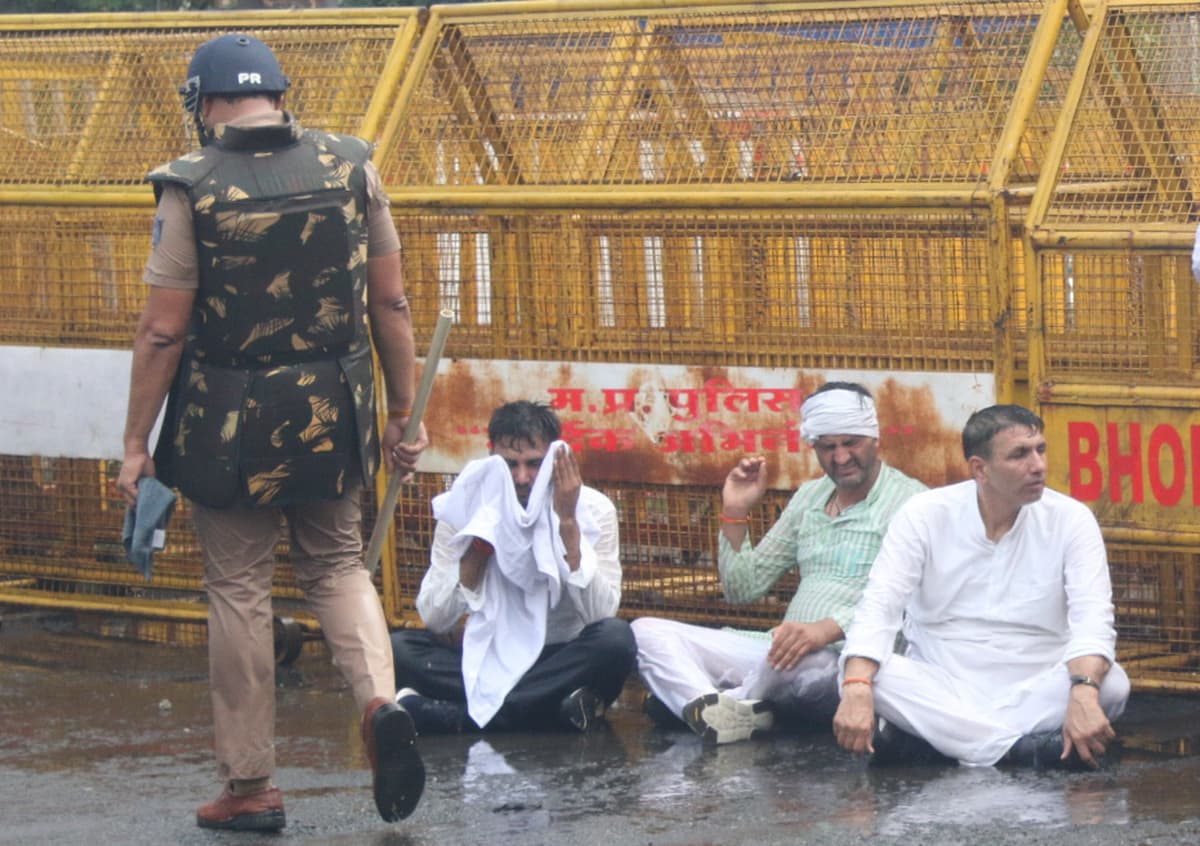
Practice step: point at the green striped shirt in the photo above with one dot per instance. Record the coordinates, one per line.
(833, 554)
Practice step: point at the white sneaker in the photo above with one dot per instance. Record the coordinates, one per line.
(720, 718)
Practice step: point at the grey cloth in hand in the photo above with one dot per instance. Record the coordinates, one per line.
(146, 523)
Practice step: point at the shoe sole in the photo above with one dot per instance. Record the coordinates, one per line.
(399, 777)
(262, 821)
(719, 718)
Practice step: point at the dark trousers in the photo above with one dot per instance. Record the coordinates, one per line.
(600, 659)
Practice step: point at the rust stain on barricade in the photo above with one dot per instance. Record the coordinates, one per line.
(915, 438)
(677, 425)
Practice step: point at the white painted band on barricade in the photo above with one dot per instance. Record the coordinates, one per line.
(64, 402)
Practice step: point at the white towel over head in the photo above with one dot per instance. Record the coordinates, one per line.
(523, 580)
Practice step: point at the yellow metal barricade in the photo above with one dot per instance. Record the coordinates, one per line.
(1111, 228)
(670, 221)
(88, 104)
(792, 188)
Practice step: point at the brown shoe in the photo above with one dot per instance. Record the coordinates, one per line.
(398, 776)
(258, 811)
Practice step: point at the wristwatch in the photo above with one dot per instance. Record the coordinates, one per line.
(1088, 680)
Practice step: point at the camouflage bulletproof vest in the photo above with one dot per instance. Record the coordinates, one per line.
(274, 400)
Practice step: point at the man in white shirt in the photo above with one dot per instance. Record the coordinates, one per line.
(1001, 589)
(528, 662)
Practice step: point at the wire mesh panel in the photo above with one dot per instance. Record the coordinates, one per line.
(1132, 154)
(669, 560)
(1116, 313)
(66, 514)
(60, 532)
(668, 541)
(708, 96)
(792, 186)
(916, 92)
(1157, 596)
(1128, 166)
(897, 291)
(1115, 319)
(72, 276)
(90, 100)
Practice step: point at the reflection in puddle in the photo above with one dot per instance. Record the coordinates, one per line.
(489, 781)
(1164, 789)
(983, 796)
(668, 778)
(689, 771)
(82, 719)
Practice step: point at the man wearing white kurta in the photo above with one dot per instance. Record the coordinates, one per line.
(529, 557)
(1002, 591)
(725, 683)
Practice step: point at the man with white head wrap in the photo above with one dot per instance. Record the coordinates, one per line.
(840, 411)
(726, 684)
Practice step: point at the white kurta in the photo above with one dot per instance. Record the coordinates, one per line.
(998, 620)
(528, 597)
(523, 581)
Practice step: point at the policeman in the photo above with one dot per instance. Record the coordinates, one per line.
(274, 263)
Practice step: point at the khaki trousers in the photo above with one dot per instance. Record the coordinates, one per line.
(238, 546)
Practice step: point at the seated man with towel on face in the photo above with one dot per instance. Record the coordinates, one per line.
(530, 555)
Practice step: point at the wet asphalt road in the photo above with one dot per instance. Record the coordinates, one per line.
(106, 741)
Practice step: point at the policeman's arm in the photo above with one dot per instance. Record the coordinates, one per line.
(391, 330)
(157, 346)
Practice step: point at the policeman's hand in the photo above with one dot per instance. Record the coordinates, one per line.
(567, 483)
(854, 722)
(398, 456)
(1086, 729)
(791, 641)
(135, 466)
(745, 485)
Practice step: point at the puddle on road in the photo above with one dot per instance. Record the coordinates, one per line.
(983, 796)
(78, 704)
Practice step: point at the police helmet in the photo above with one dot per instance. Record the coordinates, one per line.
(234, 65)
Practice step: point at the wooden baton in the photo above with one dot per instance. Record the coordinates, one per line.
(387, 508)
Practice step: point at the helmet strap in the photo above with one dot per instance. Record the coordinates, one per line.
(203, 134)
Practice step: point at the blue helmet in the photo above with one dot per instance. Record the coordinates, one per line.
(231, 65)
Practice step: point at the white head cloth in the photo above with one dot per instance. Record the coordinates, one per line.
(838, 412)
